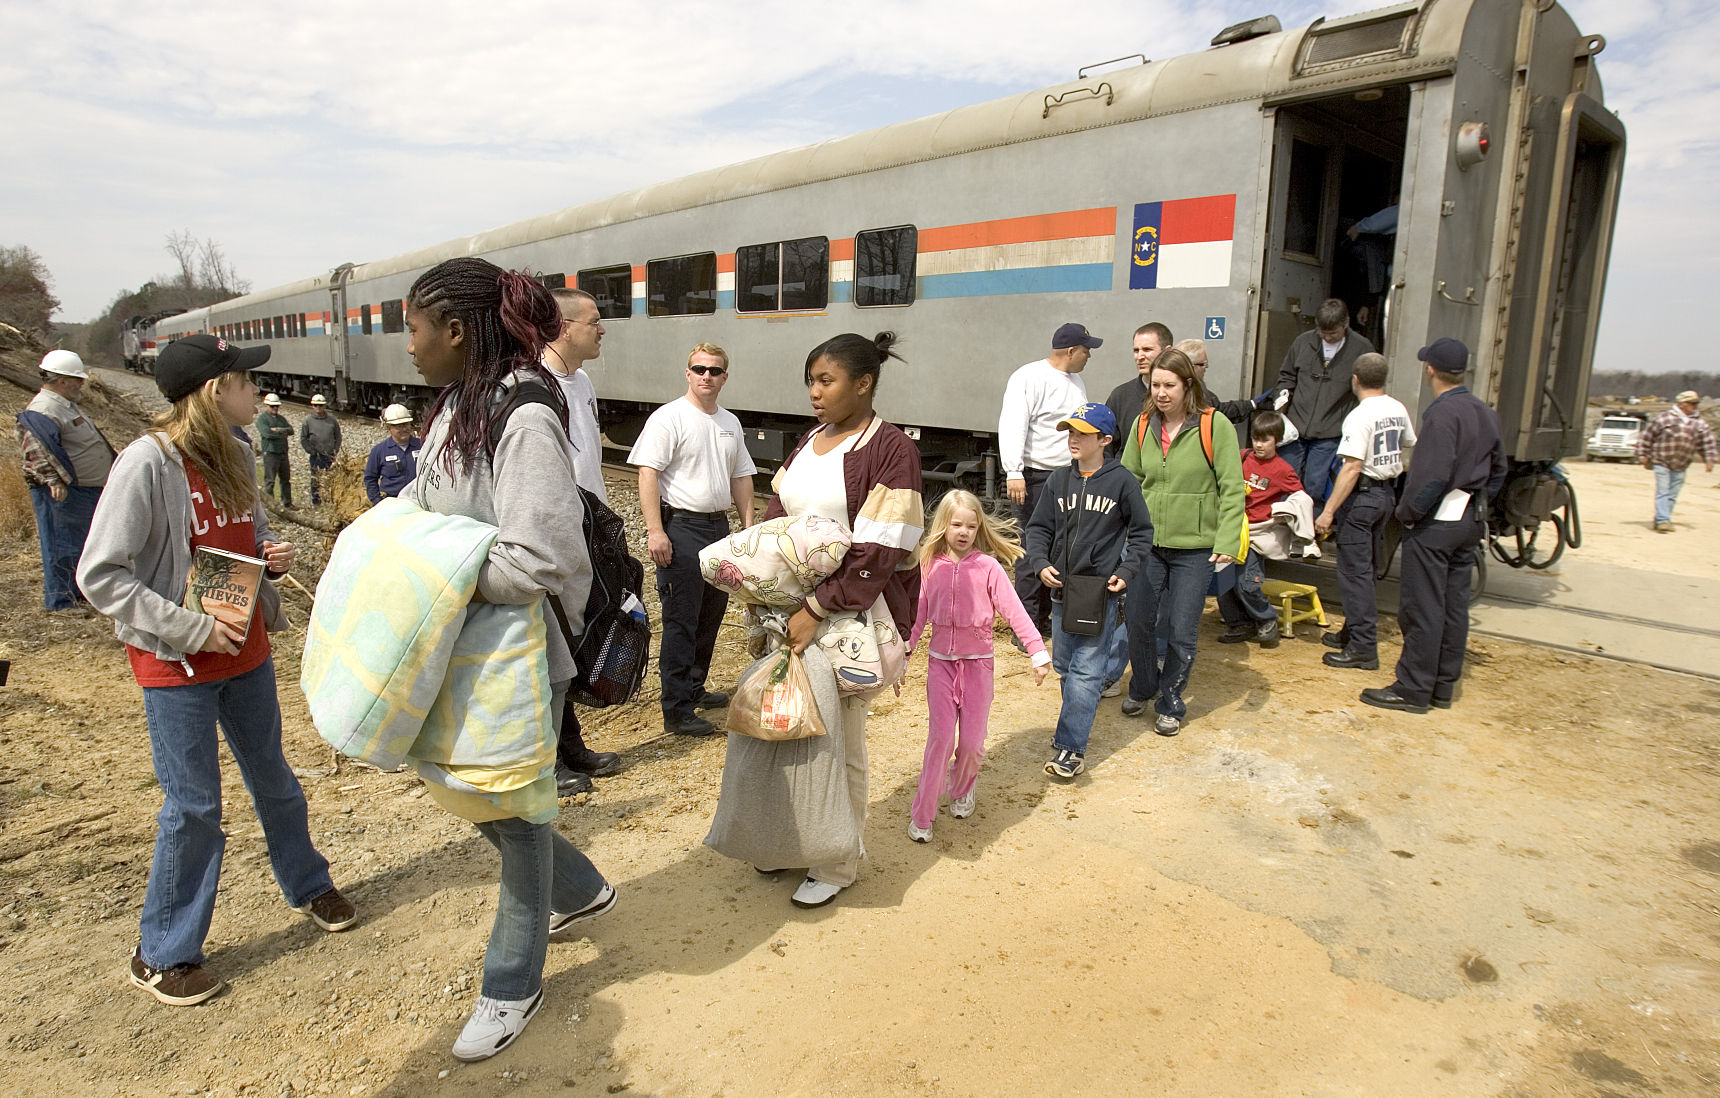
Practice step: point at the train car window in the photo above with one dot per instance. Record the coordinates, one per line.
(684, 285)
(758, 278)
(613, 289)
(364, 319)
(787, 275)
(884, 266)
(278, 325)
(393, 317)
(806, 273)
(550, 282)
(1306, 200)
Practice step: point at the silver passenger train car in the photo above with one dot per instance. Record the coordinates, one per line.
(1212, 192)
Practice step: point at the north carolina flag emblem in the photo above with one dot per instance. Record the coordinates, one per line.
(1183, 242)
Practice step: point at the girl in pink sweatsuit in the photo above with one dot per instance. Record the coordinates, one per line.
(964, 585)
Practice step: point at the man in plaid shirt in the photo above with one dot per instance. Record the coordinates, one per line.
(1671, 442)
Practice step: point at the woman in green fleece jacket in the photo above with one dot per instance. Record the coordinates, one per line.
(1194, 494)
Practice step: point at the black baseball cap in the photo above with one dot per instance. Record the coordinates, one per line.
(1074, 335)
(189, 361)
(1447, 355)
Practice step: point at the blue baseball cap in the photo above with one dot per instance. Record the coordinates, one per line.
(1090, 419)
(1074, 335)
(1447, 355)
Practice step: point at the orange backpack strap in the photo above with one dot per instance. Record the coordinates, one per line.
(1206, 439)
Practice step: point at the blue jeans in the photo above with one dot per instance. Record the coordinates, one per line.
(541, 872)
(189, 841)
(1080, 662)
(1312, 460)
(1667, 484)
(1165, 603)
(1117, 645)
(1245, 604)
(61, 528)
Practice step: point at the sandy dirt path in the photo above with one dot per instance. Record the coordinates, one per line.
(1297, 896)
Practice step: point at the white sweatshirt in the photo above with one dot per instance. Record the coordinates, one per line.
(1037, 397)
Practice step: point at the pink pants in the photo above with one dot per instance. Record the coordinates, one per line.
(958, 692)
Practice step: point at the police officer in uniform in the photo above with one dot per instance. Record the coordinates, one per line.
(1458, 465)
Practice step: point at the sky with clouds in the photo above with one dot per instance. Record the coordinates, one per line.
(300, 136)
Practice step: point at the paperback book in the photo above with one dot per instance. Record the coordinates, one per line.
(225, 585)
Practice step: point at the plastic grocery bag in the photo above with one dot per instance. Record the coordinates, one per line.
(774, 700)
(786, 803)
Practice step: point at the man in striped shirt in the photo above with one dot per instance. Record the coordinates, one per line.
(1671, 442)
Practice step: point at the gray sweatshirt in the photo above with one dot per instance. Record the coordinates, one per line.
(138, 553)
(530, 497)
(320, 435)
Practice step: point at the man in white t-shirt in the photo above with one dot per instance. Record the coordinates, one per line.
(693, 463)
(1038, 397)
(581, 340)
(1371, 443)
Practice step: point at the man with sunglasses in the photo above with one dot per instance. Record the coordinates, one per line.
(693, 463)
(581, 341)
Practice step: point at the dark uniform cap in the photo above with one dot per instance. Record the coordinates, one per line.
(1074, 335)
(1447, 355)
(187, 362)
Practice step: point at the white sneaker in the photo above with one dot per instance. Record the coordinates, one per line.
(560, 921)
(962, 807)
(813, 893)
(916, 833)
(1112, 688)
(493, 1026)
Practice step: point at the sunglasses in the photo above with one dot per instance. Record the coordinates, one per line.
(714, 371)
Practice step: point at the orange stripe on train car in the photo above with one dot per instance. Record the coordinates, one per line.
(1021, 230)
(726, 263)
(842, 250)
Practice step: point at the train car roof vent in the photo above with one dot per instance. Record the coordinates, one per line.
(1385, 35)
(1248, 28)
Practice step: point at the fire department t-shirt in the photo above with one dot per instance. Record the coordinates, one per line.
(212, 527)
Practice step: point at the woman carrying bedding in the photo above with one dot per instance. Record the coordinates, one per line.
(476, 332)
(863, 473)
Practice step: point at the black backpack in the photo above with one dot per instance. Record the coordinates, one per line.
(612, 655)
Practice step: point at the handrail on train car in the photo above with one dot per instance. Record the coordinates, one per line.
(1104, 89)
(1081, 73)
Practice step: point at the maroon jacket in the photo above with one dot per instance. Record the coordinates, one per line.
(881, 478)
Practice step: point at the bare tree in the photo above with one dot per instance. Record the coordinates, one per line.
(184, 248)
(217, 271)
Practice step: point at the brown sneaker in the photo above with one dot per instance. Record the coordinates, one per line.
(331, 911)
(181, 985)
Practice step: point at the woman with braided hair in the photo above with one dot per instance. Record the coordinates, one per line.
(477, 332)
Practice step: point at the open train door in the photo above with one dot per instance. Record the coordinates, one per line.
(338, 349)
(1545, 339)
(1337, 164)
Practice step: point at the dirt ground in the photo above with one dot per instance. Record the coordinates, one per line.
(1297, 896)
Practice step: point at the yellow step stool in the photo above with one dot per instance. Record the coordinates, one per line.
(1283, 594)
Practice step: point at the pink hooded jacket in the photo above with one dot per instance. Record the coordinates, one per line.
(960, 599)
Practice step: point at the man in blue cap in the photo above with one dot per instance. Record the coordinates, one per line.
(1458, 465)
(1029, 446)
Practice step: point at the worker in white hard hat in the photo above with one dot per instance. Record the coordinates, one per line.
(66, 463)
(319, 436)
(273, 434)
(393, 462)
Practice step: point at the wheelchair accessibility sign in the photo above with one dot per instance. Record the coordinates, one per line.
(1214, 328)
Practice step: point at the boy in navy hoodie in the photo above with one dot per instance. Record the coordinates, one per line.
(1090, 525)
